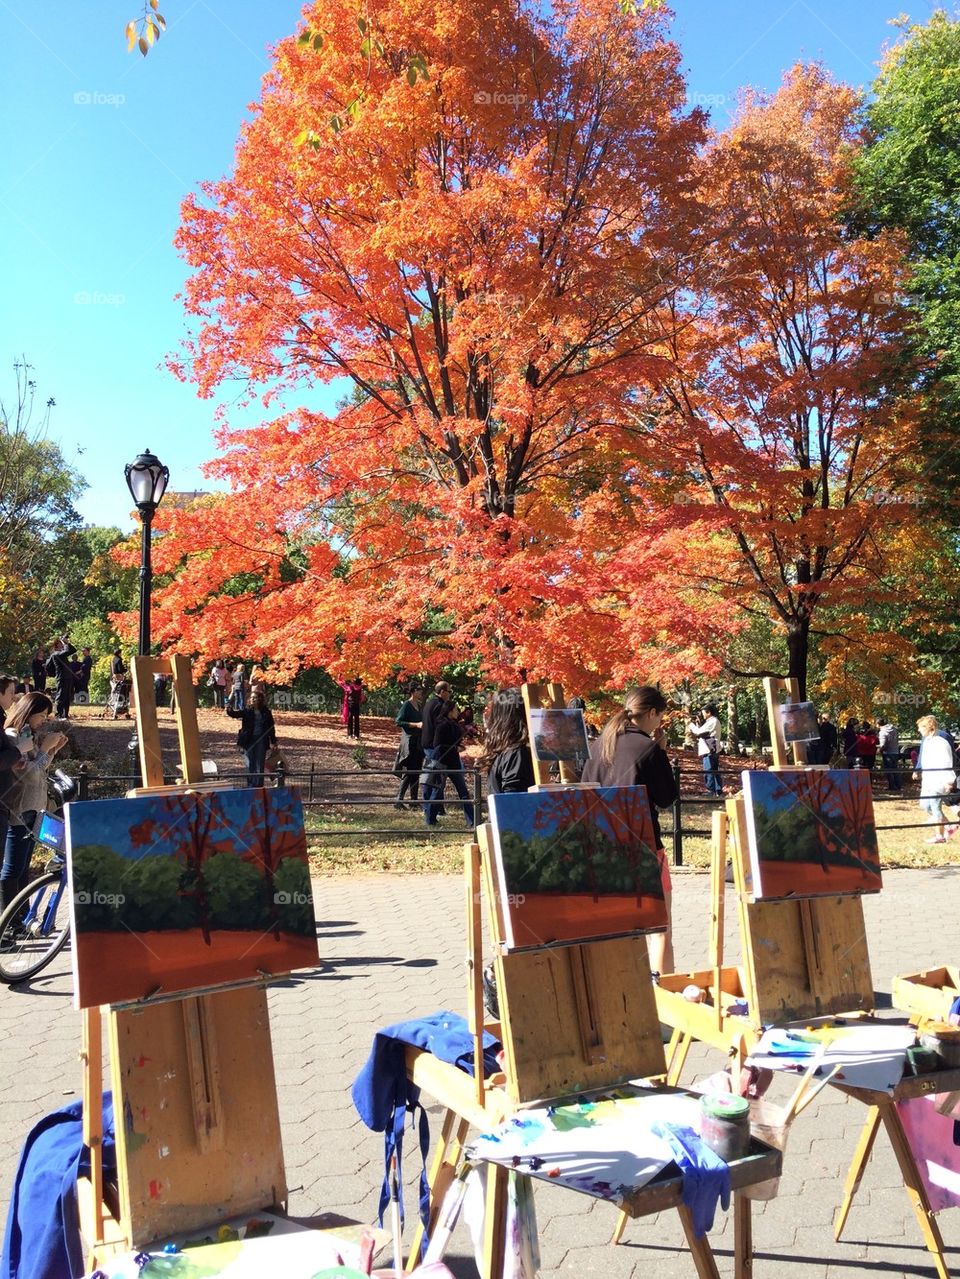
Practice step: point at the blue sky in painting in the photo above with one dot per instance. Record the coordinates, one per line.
(772, 790)
(109, 821)
(518, 813)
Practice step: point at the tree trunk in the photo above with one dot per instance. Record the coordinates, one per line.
(733, 724)
(798, 647)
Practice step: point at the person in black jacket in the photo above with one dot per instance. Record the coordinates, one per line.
(507, 756)
(434, 783)
(38, 670)
(631, 754)
(409, 759)
(445, 754)
(257, 734)
(58, 667)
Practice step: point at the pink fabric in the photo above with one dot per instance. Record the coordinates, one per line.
(931, 1138)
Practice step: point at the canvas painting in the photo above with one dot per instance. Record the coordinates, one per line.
(811, 833)
(799, 720)
(576, 864)
(174, 893)
(559, 734)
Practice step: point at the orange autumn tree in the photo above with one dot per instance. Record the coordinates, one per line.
(789, 410)
(477, 218)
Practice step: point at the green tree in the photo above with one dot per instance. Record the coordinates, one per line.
(909, 178)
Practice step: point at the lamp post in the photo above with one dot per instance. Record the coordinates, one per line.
(147, 481)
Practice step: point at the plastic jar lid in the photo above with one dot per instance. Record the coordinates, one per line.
(725, 1106)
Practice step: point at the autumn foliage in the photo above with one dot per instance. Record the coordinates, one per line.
(612, 385)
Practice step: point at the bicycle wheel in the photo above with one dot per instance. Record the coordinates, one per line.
(27, 947)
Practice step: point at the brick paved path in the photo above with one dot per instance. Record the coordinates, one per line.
(394, 948)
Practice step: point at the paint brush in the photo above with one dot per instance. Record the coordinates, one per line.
(447, 1220)
(821, 1084)
(395, 1227)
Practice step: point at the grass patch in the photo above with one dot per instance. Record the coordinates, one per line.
(337, 843)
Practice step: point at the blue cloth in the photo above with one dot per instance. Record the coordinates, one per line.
(382, 1093)
(706, 1178)
(42, 1239)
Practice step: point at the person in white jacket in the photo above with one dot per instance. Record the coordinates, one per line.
(937, 777)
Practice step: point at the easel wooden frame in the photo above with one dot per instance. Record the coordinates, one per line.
(597, 1035)
(828, 937)
(188, 1162)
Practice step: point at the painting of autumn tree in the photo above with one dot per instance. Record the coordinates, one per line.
(576, 864)
(181, 892)
(472, 218)
(811, 834)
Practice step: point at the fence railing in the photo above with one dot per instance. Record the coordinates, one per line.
(677, 823)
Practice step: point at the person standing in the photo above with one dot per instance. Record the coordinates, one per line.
(433, 785)
(866, 745)
(257, 734)
(58, 667)
(889, 741)
(354, 696)
(507, 755)
(707, 733)
(850, 742)
(238, 684)
(829, 738)
(38, 670)
(631, 753)
(86, 666)
(409, 759)
(218, 682)
(25, 796)
(447, 737)
(937, 778)
(11, 756)
(119, 699)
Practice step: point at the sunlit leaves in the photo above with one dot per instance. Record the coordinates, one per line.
(144, 32)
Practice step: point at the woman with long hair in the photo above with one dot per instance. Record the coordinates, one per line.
(631, 754)
(257, 734)
(25, 787)
(506, 748)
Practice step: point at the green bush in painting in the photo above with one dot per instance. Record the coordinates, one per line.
(160, 893)
(293, 898)
(236, 893)
(98, 887)
(577, 860)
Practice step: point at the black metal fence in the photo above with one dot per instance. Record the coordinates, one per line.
(332, 789)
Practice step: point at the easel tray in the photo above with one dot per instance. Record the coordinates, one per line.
(929, 993)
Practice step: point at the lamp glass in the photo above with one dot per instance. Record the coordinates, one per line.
(147, 479)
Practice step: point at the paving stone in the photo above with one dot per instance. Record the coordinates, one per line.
(394, 948)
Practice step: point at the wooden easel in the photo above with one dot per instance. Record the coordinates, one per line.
(194, 1093)
(548, 697)
(573, 1019)
(800, 959)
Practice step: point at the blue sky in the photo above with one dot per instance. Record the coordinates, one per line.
(100, 146)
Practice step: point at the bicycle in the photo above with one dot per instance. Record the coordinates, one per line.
(35, 926)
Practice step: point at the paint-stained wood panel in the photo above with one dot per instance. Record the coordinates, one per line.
(163, 1076)
(549, 1051)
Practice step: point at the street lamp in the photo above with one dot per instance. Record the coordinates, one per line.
(147, 481)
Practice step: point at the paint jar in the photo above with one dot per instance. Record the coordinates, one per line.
(694, 994)
(944, 1040)
(725, 1125)
(920, 1060)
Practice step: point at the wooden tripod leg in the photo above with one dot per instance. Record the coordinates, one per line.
(677, 1050)
(92, 1058)
(494, 1223)
(700, 1249)
(855, 1174)
(620, 1227)
(742, 1238)
(914, 1187)
(440, 1178)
